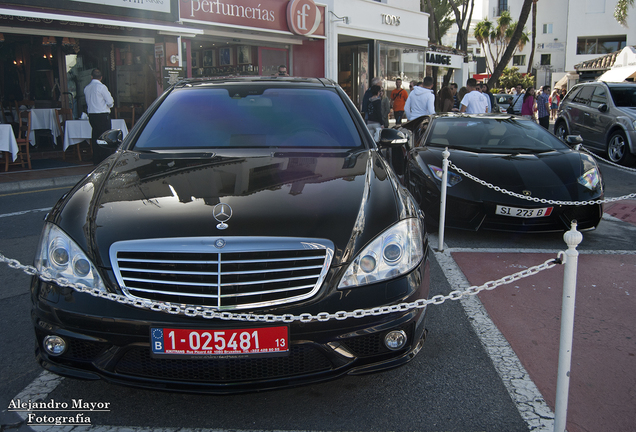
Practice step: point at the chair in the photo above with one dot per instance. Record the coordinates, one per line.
(22, 139)
(126, 113)
(27, 103)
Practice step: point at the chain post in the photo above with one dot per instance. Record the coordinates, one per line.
(442, 201)
(572, 239)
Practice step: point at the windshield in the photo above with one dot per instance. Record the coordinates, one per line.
(624, 96)
(489, 135)
(196, 118)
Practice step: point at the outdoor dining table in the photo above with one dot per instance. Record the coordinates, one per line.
(44, 118)
(77, 131)
(7, 140)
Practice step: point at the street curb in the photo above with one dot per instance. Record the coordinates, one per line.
(25, 185)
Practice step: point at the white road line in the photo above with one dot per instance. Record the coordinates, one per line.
(524, 393)
(20, 213)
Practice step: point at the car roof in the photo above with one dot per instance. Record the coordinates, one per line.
(258, 80)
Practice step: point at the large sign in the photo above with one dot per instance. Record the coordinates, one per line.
(444, 60)
(163, 10)
(302, 17)
(145, 5)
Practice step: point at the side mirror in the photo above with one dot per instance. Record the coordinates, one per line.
(111, 139)
(603, 108)
(392, 138)
(574, 141)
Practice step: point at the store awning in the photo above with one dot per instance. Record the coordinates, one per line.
(618, 74)
(166, 29)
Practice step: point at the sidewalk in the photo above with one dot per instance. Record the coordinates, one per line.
(15, 181)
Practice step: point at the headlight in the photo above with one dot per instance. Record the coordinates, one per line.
(60, 257)
(393, 253)
(590, 179)
(451, 179)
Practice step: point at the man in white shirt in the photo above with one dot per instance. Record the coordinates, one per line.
(474, 101)
(518, 99)
(421, 100)
(99, 102)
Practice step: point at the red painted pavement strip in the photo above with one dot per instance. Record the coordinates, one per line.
(624, 210)
(527, 312)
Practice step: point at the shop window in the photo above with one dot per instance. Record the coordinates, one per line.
(519, 60)
(546, 59)
(600, 45)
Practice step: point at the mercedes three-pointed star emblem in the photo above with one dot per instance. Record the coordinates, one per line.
(222, 213)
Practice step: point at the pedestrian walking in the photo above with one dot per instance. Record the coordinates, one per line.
(421, 101)
(367, 95)
(99, 101)
(453, 88)
(517, 102)
(527, 106)
(543, 107)
(445, 101)
(398, 100)
(474, 102)
(555, 100)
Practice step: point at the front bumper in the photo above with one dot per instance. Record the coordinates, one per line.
(471, 215)
(111, 341)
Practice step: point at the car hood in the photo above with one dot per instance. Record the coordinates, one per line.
(345, 197)
(551, 175)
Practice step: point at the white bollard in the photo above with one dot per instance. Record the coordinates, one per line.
(572, 239)
(442, 201)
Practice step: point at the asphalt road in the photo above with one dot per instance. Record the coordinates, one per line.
(450, 386)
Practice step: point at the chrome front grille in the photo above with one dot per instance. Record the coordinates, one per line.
(245, 272)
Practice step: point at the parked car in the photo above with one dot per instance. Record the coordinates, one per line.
(604, 114)
(503, 100)
(508, 152)
(248, 196)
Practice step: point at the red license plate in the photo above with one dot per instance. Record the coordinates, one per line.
(226, 342)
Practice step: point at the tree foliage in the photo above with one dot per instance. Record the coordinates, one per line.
(495, 38)
(620, 11)
(511, 77)
(514, 41)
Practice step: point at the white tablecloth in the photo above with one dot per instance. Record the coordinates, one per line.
(7, 140)
(77, 131)
(44, 118)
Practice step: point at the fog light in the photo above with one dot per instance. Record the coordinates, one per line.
(395, 340)
(54, 345)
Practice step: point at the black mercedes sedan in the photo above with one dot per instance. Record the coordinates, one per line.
(232, 200)
(502, 152)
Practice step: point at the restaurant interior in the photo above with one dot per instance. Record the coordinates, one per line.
(42, 100)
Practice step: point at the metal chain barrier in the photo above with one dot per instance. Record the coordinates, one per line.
(211, 313)
(534, 199)
(609, 162)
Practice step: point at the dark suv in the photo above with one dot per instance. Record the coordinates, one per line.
(604, 114)
(246, 235)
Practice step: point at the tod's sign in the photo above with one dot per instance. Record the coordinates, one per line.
(301, 17)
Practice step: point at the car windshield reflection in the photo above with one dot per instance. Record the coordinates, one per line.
(196, 118)
(488, 135)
